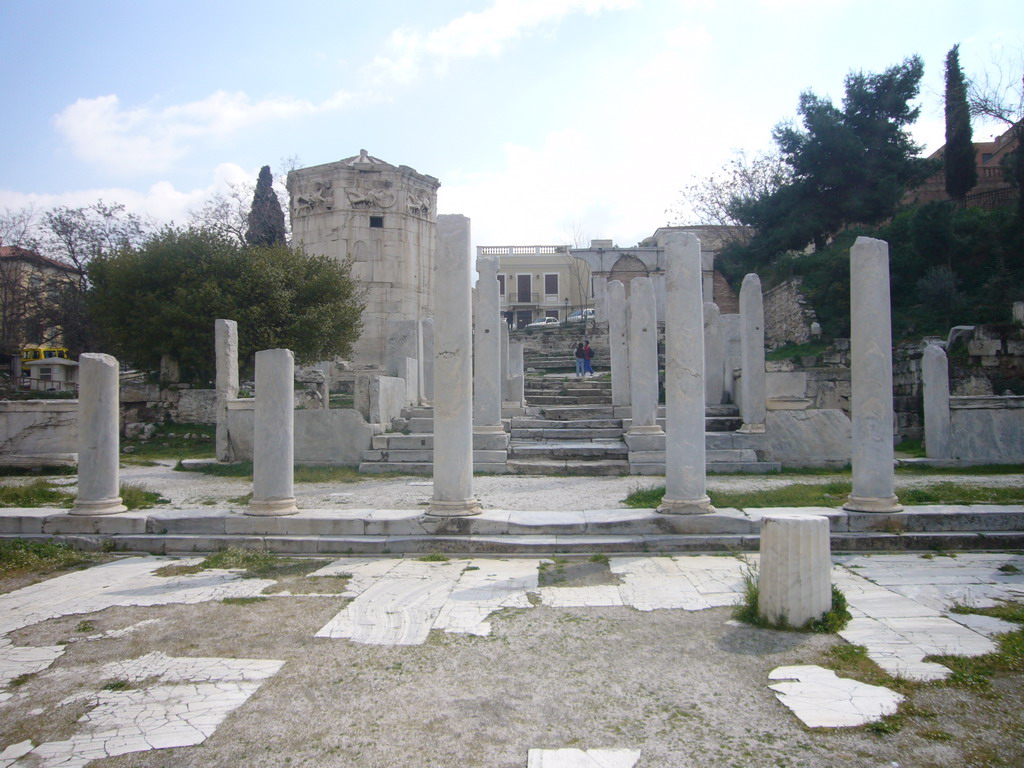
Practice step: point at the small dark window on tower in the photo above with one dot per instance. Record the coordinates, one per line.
(377, 222)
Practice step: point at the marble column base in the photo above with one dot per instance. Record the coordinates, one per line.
(795, 581)
(652, 429)
(101, 507)
(489, 429)
(272, 507)
(751, 429)
(454, 508)
(701, 506)
(873, 504)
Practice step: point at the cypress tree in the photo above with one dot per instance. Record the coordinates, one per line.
(959, 161)
(266, 219)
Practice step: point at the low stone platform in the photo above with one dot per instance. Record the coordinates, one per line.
(383, 531)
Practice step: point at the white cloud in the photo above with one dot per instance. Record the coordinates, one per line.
(478, 33)
(161, 202)
(146, 140)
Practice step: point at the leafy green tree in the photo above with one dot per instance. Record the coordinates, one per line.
(848, 166)
(959, 161)
(266, 219)
(163, 297)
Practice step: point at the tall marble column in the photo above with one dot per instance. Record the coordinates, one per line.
(225, 337)
(453, 374)
(643, 357)
(871, 379)
(935, 383)
(753, 393)
(487, 350)
(618, 348)
(685, 450)
(273, 459)
(714, 355)
(503, 362)
(600, 298)
(99, 444)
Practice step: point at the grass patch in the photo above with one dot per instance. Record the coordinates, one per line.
(40, 555)
(434, 557)
(303, 473)
(117, 685)
(979, 469)
(172, 441)
(599, 557)
(62, 469)
(241, 469)
(645, 497)
(241, 500)
(38, 493)
(911, 449)
(1009, 568)
(835, 494)
(243, 600)
(748, 612)
(136, 496)
(978, 671)
(85, 626)
(957, 493)
(796, 351)
(177, 570)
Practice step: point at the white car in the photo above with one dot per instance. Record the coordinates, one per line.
(544, 322)
(580, 316)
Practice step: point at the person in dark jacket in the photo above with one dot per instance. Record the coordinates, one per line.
(580, 354)
(588, 355)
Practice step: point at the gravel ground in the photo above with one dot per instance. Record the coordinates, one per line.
(687, 688)
(527, 493)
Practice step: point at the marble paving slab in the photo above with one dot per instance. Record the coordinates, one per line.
(821, 699)
(579, 758)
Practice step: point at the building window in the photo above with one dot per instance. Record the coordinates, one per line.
(551, 285)
(501, 285)
(376, 222)
(524, 287)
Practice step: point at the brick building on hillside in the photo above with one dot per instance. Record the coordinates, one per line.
(992, 189)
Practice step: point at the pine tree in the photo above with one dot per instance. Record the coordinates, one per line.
(266, 219)
(959, 161)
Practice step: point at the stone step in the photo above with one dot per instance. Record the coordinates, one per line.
(425, 441)
(576, 449)
(528, 422)
(566, 434)
(424, 456)
(551, 466)
(576, 412)
(529, 544)
(535, 384)
(596, 399)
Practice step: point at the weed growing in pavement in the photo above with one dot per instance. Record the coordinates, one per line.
(85, 626)
(747, 610)
(434, 557)
(41, 555)
(136, 496)
(38, 493)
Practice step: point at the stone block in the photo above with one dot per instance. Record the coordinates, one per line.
(794, 582)
(387, 398)
(806, 438)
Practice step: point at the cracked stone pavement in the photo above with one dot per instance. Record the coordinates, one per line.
(900, 604)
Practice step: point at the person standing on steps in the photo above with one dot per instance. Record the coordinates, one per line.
(579, 360)
(588, 355)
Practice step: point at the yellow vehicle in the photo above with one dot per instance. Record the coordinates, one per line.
(32, 352)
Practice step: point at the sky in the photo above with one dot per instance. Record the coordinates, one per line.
(546, 121)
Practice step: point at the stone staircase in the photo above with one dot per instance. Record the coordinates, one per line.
(571, 429)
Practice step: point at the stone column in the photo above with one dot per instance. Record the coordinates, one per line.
(795, 573)
(714, 355)
(871, 379)
(273, 459)
(99, 443)
(685, 450)
(453, 375)
(935, 383)
(487, 350)
(516, 375)
(600, 283)
(752, 384)
(618, 348)
(225, 335)
(643, 357)
(503, 361)
(427, 360)
(1018, 313)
